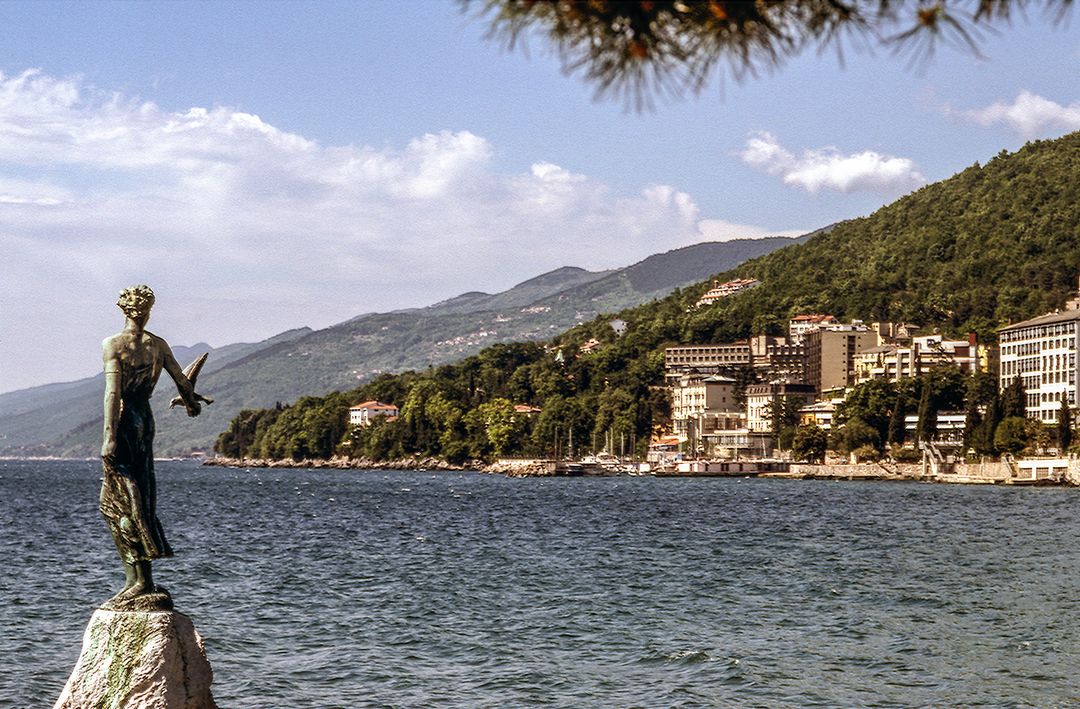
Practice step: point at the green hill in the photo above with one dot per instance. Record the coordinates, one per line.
(995, 243)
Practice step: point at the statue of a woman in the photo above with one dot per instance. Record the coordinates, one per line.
(133, 362)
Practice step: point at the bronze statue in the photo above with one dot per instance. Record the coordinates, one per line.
(133, 362)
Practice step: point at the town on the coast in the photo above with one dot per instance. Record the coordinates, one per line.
(831, 399)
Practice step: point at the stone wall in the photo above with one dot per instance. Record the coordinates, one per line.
(867, 471)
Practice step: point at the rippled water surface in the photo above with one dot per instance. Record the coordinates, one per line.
(365, 589)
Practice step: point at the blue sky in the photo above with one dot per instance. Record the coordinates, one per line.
(270, 165)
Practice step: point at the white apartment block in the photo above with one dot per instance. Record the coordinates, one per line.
(694, 395)
(1042, 351)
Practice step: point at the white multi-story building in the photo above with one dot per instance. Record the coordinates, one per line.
(694, 396)
(1042, 352)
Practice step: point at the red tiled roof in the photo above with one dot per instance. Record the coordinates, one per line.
(374, 405)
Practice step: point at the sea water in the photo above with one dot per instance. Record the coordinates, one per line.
(321, 588)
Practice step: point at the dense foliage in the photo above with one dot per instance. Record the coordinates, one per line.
(635, 47)
(993, 244)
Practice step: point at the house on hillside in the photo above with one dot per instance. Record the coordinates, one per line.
(590, 346)
(723, 290)
(819, 413)
(799, 325)
(363, 414)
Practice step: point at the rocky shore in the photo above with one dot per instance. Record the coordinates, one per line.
(338, 463)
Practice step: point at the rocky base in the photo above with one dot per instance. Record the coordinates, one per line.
(144, 660)
(156, 600)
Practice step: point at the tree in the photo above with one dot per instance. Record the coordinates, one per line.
(809, 444)
(632, 48)
(897, 432)
(872, 403)
(744, 377)
(926, 426)
(1011, 435)
(982, 413)
(1064, 425)
(1014, 399)
(782, 413)
(1038, 436)
(855, 434)
(503, 429)
(973, 423)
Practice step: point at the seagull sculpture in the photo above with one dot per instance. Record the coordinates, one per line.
(192, 373)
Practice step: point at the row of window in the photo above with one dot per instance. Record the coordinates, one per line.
(1043, 331)
(1036, 347)
(1049, 397)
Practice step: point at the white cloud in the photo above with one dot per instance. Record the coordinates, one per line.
(245, 230)
(1029, 115)
(828, 168)
(720, 230)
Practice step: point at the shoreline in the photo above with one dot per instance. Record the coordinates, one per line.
(338, 463)
(905, 472)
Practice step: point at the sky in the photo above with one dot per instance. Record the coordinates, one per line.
(272, 165)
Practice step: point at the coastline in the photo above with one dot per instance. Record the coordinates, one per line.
(964, 474)
(338, 463)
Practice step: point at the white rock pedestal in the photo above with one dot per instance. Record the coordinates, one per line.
(140, 660)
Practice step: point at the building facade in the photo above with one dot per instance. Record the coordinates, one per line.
(831, 355)
(761, 398)
(778, 359)
(711, 359)
(1042, 353)
(694, 396)
(363, 414)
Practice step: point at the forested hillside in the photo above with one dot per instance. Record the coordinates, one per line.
(993, 244)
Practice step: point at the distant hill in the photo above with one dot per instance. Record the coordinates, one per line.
(65, 419)
(39, 420)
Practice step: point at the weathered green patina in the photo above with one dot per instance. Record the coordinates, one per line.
(134, 359)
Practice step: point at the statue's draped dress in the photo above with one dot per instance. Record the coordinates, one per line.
(129, 490)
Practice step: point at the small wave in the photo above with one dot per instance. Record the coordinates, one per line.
(682, 657)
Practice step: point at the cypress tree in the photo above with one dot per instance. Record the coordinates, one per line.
(973, 425)
(897, 431)
(927, 425)
(984, 441)
(1014, 399)
(1064, 425)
